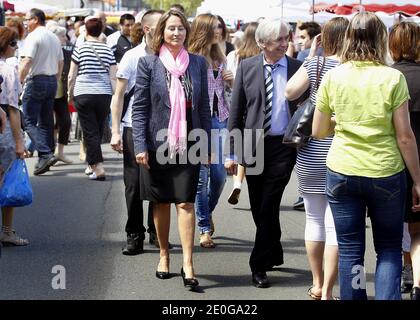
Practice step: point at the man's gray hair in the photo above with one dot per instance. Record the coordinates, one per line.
(269, 30)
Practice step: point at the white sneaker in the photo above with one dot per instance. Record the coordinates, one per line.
(88, 171)
(13, 238)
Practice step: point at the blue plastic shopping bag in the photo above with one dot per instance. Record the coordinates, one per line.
(16, 190)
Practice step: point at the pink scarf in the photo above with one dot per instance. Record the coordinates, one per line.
(177, 130)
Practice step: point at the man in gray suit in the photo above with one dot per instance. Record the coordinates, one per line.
(260, 107)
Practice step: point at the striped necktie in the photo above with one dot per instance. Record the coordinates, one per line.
(269, 88)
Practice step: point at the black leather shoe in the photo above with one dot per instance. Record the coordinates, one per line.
(188, 282)
(162, 275)
(134, 245)
(44, 164)
(415, 293)
(260, 280)
(153, 240)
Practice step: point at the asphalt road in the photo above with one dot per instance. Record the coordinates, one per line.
(79, 224)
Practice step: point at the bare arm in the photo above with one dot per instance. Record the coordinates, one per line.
(408, 148)
(60, 69)
(72, 79)
(24, 67)
(297, 85)
(15, 125)
(323, 125)
(113, 76)
(316, 44)
(116, 112)
(3, 120)
(290, 49)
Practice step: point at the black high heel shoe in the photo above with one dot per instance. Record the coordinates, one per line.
(188, 282)
(163, 274)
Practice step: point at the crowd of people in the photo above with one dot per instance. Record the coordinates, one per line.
(161, 73)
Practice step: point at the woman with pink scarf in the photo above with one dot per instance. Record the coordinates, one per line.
(171, 100)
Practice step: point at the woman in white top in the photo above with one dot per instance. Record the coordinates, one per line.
(249, 48)
(11, 139)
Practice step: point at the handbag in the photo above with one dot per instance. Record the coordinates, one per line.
(16, 190)
(299, 130)
(126, 102)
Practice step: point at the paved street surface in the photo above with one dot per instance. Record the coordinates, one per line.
(79, 224)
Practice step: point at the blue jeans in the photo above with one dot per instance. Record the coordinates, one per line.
(38, 108)
(211, 182)
(349, 196)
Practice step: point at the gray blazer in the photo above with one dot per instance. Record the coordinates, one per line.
(151, 106)
(248, 100)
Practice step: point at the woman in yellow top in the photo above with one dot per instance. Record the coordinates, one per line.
(373, 139)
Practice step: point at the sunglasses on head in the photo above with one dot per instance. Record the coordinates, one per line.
(13, 43)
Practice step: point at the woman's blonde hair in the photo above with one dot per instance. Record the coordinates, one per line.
(159, 35)
(202, 35)
(366, 39)
(249, 47)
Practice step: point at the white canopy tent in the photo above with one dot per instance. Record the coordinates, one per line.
(289, 10)
(24, 6)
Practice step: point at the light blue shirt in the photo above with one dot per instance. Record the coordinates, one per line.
(280, 115)
(302, 55)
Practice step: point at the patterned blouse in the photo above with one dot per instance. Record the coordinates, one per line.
(10, 88)
(217, 87)
(186, 84)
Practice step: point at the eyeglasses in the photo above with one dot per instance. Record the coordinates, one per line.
(13, 43)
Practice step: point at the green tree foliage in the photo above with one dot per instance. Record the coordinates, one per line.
(189, 5)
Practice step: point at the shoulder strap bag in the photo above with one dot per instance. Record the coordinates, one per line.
(127, 98)
(97, 56)
(299, 130)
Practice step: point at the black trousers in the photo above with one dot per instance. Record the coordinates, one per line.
(265, 193)
(93, 111)
(62, 120)
(132, 189)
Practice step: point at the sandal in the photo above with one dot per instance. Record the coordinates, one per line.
(313, 295)
(206, 241)
(13, 238)
(212, 229)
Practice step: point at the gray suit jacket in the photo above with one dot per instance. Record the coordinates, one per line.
(151, 106)
(248, 102)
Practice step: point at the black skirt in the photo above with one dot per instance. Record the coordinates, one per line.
(170, 183)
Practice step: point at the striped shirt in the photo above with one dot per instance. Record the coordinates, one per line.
(92, 77)
(311, 168)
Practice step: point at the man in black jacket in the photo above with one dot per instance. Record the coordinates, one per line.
(120, 42)
(261, 112)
